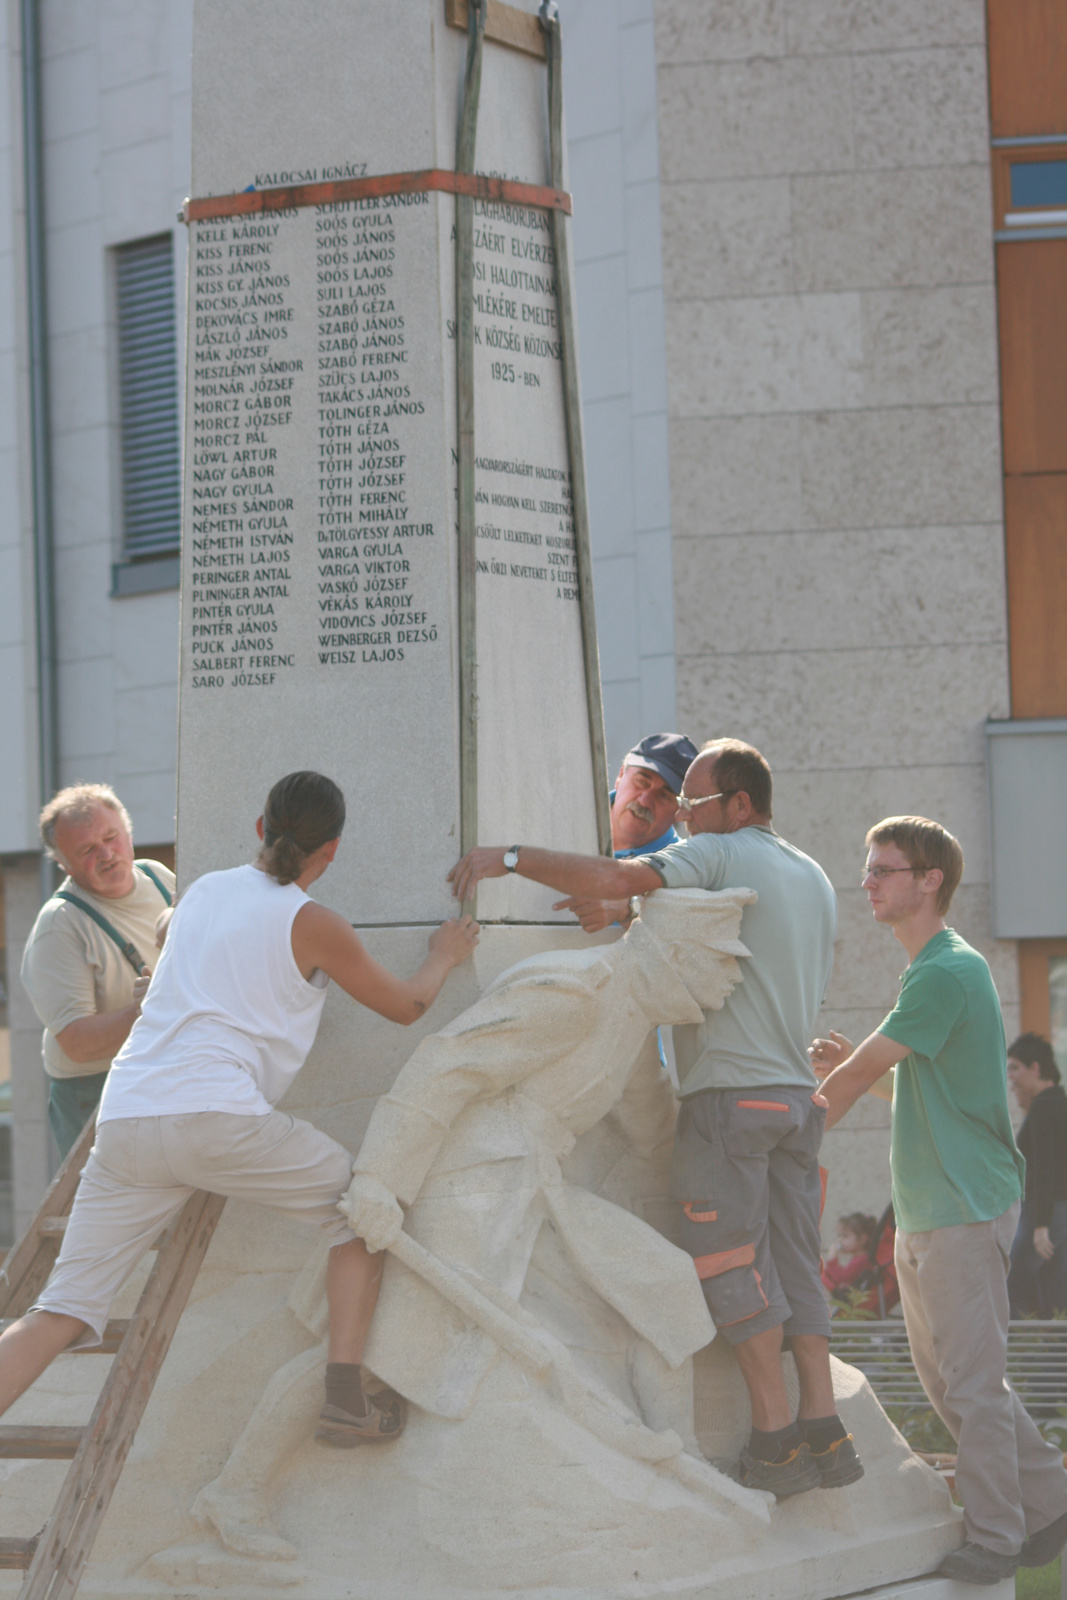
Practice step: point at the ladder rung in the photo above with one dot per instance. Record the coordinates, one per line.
(23, 1443)
(17, 1553)
(114, 1333)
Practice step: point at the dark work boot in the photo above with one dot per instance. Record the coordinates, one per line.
(795, 1474)
(779, 1462)
(975, 1563)
(832, 1450)
(1045, 1545)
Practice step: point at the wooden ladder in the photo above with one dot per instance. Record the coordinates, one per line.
(56, 1557)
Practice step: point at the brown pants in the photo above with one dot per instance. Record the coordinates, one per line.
(954, 1291)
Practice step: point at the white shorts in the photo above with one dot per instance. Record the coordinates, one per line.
(142, 1170)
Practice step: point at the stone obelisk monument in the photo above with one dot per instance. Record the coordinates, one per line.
(353, 599)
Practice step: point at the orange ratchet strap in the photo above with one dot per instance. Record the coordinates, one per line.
(501, 191)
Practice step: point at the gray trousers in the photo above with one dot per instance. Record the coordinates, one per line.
(954, 1291)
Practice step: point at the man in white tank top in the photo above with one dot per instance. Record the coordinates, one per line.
(229, 1018)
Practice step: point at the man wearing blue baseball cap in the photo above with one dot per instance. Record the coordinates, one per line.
(644, 801)
(644, 804)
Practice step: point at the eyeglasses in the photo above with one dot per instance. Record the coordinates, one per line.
(685, 804)
(879, 873)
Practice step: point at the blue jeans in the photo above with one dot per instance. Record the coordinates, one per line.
(1038, 1288)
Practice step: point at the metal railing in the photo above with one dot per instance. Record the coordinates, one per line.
(1037, 1363)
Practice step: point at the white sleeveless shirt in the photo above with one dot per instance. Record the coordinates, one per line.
(229, 1019)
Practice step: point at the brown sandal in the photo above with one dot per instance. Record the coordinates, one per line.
(386, 1415)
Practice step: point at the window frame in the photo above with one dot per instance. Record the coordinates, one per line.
(143, 566)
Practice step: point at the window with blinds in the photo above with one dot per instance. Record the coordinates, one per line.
(148, 398)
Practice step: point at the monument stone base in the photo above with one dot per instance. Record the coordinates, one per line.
(935, 1588)
(511, 1501)
(464, 1533)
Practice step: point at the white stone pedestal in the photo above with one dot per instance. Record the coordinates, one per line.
(935, 1588)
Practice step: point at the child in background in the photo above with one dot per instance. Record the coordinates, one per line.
(851, 1257)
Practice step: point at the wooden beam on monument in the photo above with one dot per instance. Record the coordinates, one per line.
(519, 30)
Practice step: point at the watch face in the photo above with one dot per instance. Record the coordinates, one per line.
(511, 859)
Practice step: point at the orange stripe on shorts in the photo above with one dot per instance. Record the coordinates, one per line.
(699, 1216)
(724, 1261)
(762, 1105)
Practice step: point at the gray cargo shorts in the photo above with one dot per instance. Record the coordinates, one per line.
(746, 1172)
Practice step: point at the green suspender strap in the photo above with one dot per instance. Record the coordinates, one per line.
(128, 948)
(142, 866)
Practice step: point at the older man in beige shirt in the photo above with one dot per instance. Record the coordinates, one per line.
(93, 948)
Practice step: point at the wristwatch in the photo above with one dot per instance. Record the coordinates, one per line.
(511, 858)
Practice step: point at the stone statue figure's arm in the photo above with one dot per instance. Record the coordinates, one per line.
(627, 1157)
(494, 1045)
(648, 1107)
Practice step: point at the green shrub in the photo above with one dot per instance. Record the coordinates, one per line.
(923, 1429)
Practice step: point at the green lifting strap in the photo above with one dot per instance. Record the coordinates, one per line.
(465, 501)
(572, 408)
(128, 948)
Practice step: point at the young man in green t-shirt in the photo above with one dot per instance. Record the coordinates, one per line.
(957, 1181)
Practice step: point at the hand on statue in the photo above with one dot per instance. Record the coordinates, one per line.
(455, 940)
(372, 1211)
(476, 865)
(826, 1054)
(596, 914)
(1043, 1244)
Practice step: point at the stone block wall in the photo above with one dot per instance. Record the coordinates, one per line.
(610, 92)
(835, 442)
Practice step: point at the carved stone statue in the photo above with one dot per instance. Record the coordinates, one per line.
(543, 1333)
(490, 1138)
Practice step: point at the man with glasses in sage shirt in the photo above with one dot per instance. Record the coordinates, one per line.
(745, 1167)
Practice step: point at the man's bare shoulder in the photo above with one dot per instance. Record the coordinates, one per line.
(313, 920)
(319, 933)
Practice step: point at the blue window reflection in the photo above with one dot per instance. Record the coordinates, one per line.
(1039, 183)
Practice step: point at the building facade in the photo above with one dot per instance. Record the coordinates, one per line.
(822, 332)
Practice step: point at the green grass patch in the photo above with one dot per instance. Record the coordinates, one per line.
(1039, 1583)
